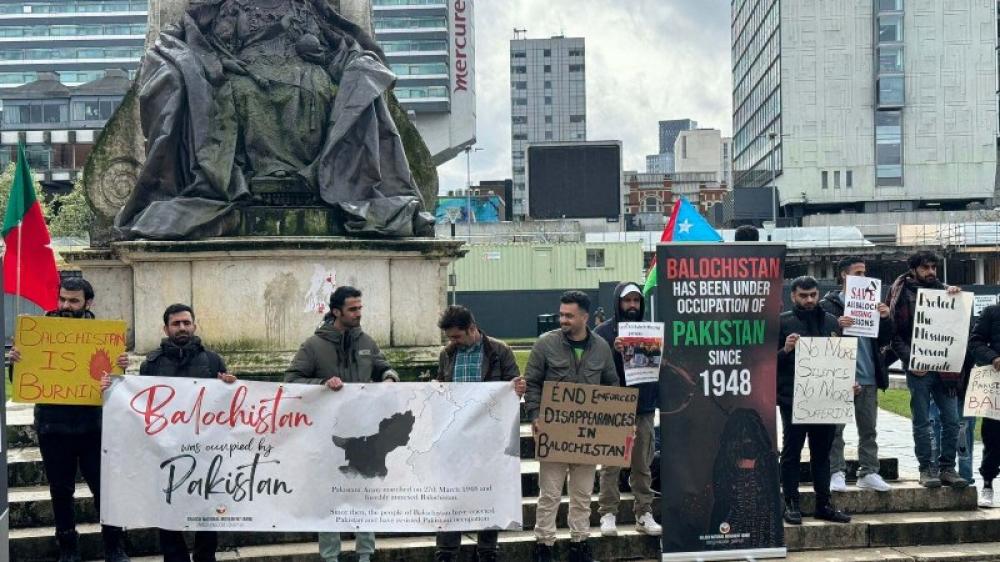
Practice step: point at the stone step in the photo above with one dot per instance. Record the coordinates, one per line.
(32, 507)
(913, 536)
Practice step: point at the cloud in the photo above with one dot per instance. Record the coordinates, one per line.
(647, 60)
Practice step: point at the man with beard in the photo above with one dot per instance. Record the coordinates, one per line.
(630, 307)
(806, 319)
(70, 436)
(870, 376)
(338, 353)
(925, 386)
(181, 354)
(571, 354)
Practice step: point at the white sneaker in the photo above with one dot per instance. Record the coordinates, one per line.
(838, 483)
(608, 528)
(986, 497)
(873, 481)
(646, 525)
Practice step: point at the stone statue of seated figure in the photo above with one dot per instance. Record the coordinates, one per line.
(261, 103)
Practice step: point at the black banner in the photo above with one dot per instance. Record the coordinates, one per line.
(719, 467)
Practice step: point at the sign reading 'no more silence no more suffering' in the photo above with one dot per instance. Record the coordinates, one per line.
(720, 304)
(255, 456)
(824, 380)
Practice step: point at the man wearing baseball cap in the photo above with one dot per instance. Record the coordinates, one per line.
(630, 307)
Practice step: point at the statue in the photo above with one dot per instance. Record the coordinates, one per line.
(267, 103)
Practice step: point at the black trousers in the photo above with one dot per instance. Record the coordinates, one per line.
(990, 467)
(62, 454)
(820, 440)
(486, 541)
(175, 549)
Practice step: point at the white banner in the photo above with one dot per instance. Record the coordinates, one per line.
(982, 398)
(643, 343)
(824, 380)
(940, 331)
(253, 456)
(861, 298)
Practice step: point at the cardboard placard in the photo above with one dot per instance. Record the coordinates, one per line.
(861, 299)
(824, 380)
(982, 397)
(63, 359)
(586, 424)
(643, 351)
(940, 331)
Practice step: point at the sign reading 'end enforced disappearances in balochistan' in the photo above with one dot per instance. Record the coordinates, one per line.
(586, 424)
(824, 380)
(982, 398)
(254, 456)
(720, 304)
(940, 331)
(861, 299)
(63, 359)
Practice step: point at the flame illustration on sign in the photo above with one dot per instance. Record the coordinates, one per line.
(100, 363)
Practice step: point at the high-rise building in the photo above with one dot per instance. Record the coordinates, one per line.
(865, 106)
(548, 98)
(660, 163)
(430, 45)
(76, 39)
(669, 130)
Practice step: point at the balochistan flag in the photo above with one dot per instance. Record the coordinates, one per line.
(685, 225)
(29, 265)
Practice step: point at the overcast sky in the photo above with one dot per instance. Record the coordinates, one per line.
(647, 60)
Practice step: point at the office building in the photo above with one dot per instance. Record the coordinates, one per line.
(660, 163)
(669, 130)
(548, 98)
(76, 39)
(888, 105)
(430, 45)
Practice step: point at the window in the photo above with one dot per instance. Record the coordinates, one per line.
(548, 84)
(520, 136)
(651, 205)
(547, 53)
(888, 148)
(890, 29)
(518, 55)
(684, 147)
(548, 119)
(890, 59)
(836, 179)
(520, 85)
(890, 5)
(519, 120)
(547, 68)
(520, 101)
(576, 68)
(849, 179)
(890, 91)
(576, 52)
(548, 135)
(595, 257)
(548, 100)
(825, 184)
(518, 70)
(577, 118)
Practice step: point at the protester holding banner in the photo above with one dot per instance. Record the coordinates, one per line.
(70, 436)
(472, 356)
(338, 353)
(984, 345)
(571, 354)
(871, 375)
(806, 319)
(924, 386)
(630, 306)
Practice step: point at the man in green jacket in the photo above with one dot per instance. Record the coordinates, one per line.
(577, 355)
(340, 352)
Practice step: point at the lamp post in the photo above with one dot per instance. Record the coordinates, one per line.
(468, 187)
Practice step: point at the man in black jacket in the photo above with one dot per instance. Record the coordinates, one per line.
(925, 386)
(472, 356)
(870, 376)
(806, 319)
(70, 436)
(630, 306)
(181, 354)
(984, 344)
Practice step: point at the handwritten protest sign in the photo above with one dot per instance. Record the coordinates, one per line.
(586, 424)
(861, 298)
(824, 380)
(981, 302)
(982, 398)
(643, 350)
(63, 359)
(940, 331)
(199, 454)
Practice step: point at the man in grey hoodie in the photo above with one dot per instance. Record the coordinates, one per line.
(338, 353)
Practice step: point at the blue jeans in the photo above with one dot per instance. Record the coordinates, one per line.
(966, 441)
(922, 391)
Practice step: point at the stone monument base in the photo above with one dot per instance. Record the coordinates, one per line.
(261, 297)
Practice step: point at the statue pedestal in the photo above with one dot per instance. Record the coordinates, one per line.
(266, 295)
